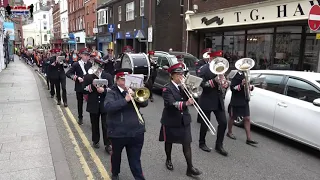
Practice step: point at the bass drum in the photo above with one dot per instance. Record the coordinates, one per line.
(138, 62)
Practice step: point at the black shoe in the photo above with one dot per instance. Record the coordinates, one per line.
(108, 149)
(204, 147)
(151, 99)
(115, 177)
(193, 172)
(169, 165)
(96, 145)
(58, 103)
(80, 121)
(231, 136)
(251, 142)
(65, 104)
(221, 151)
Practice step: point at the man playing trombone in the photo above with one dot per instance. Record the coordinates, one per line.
(95, 104)
(125, 129)
(212, 100)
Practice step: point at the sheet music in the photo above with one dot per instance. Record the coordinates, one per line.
(134, 80)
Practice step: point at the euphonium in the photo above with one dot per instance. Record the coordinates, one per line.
(219, 65)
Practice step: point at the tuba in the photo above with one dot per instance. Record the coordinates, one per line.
(219, 66)
(244, 65)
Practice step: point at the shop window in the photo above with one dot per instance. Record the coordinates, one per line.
(287, 51)
(311, 54)
(214, 42)
(259, 48)
(261, 31)
(233, 46)
(289, 29)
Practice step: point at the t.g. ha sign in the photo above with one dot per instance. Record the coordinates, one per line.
(264, 12)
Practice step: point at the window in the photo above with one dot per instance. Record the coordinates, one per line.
(130, 11)
(44, 25)
(87, 9)
(44, 16)
(102, 17)
(271, 82)
(301, 90)
(93, 8)
(83, 23)
(119, 13)
(141, 7)
(110, 10)
(163, 61)
(94, 24)
(88, 28)
(45, 38)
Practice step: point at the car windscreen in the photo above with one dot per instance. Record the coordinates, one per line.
(189, 60)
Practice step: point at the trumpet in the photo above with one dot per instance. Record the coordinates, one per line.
(192, 89)
(244, 65)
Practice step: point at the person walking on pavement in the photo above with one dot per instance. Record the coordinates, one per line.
(211, 100)
(109, 59)
(124, 127)
(153, 67)
(58, 77)
(95, 103)
(176, 119)
(77, 71)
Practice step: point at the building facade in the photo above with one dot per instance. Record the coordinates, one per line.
(77, 35)
(104, 38)
(64, 24)
(56, 42)
(273, 33)
(90, 19)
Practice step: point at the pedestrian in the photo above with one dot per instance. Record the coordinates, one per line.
(124, 127)
(176, 119)
(95, 103)
(211, 100)
(153, 74)
(76, 72)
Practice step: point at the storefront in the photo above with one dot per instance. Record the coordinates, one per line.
(275, 34)
(91, 42)
(56, 43)
(80, 40)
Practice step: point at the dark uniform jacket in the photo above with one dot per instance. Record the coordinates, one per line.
(238, 97)
(175, 112)
(199, 64)
(95, 103)
(75, 71)
(55, 71)
(211, 98)
(122, 119)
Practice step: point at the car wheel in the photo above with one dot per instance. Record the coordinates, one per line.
(238, 121)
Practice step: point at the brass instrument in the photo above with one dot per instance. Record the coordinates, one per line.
(244, 65)
(100, 82)
(96, 70)
(219, 66)
(61, 60)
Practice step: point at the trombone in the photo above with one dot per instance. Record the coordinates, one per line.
(244, 65)
(185, 84)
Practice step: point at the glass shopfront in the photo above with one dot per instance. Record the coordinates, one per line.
(282, 47)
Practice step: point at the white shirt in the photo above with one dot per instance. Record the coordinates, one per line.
(176, 85)
(121, 90)
(81, 63)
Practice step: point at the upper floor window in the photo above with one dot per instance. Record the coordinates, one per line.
(119, 13)
(44, 16)
(102, 17)
(93, 7)
(130, 11)
(110, 13)
(141, 7)
(87, 9)
(45, 37)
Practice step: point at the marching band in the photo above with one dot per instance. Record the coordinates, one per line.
(113, 98)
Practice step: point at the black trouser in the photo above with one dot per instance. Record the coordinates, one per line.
(57, 83)
(80, 104)
(222, 126)
(133, 147)
(95, 127)
(48, 82)
(51, 87)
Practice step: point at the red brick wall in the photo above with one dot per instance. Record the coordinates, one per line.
(90, 16)
(79, 11)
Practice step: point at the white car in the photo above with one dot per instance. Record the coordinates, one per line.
(287, 103)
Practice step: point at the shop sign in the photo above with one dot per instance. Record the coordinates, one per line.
(258, 13)
(90, 40)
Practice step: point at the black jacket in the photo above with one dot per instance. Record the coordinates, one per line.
(95, 103)
(199, 64)
(55, 71)
(122, 119)
(75, 71)
(175, 112)
(211, 98)
(238, 97)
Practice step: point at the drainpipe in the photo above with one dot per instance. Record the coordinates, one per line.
(149, 46)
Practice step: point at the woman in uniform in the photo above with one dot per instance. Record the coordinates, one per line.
(176, 119)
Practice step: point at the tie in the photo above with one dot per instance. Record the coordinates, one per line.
(124, 93)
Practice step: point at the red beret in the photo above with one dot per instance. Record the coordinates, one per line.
(176, 68)
(127, 49)
(84, 51)
(151, 52)
(216, 54)
(122, 72)
(206, 50)
(180, 57)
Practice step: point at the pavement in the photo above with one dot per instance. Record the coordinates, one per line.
(274, 158)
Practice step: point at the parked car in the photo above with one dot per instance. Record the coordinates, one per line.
(287, 103)
(167, 59)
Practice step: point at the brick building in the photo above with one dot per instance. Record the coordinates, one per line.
(273, 33)
(56, 41)
(76, 13)
(90, 19)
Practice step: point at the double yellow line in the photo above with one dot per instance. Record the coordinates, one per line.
(103, 172)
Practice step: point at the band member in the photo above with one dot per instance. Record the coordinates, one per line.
(109, 59)
(58, 77)
(239, 106)
(180, 59)
(176, 119)
(153, 74)
(211, 100)
(95, 104)
(76, 73)
(124, 127)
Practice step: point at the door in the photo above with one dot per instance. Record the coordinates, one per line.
(263, 100)
(295, 114)
(163, 76)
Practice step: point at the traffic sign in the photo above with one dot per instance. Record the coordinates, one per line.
(111, 28)
(314, 18)
(139, 34)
